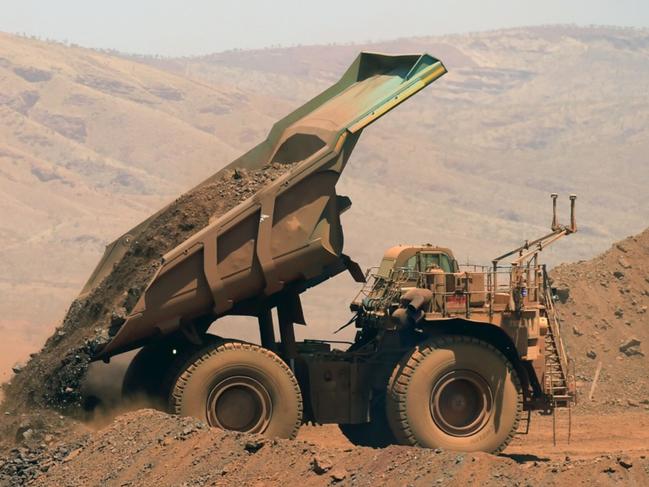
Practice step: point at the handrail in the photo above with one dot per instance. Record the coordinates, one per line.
(554, 325)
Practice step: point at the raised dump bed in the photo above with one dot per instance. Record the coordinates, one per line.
(285, 237)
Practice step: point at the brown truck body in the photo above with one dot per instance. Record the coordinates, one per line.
(287, 236)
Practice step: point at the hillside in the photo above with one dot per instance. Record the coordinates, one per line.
(91, 143)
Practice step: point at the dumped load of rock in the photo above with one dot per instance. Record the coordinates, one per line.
(52, 377)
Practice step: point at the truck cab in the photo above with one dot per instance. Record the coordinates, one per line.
(418, 258)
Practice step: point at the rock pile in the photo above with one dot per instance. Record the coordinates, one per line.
(151, 448)
(26, 464)
(605, 323)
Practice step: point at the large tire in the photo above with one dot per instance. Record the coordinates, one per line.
(241, 387)
(376, 433)
(457, 393)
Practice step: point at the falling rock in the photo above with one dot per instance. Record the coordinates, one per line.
(577, 331)
(591, 354)
(18, 368)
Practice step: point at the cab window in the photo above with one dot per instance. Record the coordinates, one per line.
(411, 263)
(428, 261)
(442, 261)
(445, 263)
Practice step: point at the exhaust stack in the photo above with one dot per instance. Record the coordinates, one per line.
(573, 220)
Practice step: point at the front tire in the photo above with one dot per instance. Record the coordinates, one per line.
(457, 393)
(241, 387)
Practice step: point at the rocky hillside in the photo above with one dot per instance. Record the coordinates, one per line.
(605, 323)
(91, 143)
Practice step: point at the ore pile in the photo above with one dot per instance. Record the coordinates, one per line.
(605, 324)
(52, 377)
(26, 464)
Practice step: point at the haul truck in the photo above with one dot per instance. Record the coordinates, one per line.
(443, 357)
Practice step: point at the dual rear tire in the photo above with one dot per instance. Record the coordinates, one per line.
(227, 384)
(241, 387)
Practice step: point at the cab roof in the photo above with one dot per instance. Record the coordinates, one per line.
(399, 252)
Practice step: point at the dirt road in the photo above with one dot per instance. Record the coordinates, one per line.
(592, 435)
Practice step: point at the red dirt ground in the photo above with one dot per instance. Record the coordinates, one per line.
(151, 448)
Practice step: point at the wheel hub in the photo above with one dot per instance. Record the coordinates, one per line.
(239, 403)
(461, 403)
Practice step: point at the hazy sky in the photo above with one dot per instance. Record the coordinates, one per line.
(203, 26)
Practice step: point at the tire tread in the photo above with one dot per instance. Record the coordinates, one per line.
(176, 396)
(405, 369)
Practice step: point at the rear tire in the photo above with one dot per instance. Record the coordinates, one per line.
(457, 393)
(241, 387)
